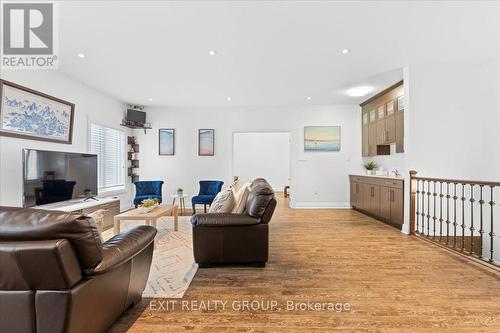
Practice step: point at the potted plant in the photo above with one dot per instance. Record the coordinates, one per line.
(148, 205)
(180, 191)
(370, 167)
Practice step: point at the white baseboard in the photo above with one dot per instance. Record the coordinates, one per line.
(320, 205)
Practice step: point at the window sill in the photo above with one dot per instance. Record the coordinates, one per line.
(113, 191)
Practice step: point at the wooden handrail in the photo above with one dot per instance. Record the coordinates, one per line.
(456, 181)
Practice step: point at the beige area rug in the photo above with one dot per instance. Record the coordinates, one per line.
(173, 266)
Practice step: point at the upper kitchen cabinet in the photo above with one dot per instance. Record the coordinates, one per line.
(383, 121)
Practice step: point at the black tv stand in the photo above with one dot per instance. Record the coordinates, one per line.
(92, 197)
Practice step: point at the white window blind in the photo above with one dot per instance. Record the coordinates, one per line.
(109, 145)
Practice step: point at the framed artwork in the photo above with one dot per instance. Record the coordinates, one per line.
(206, 142)
(29, 114)
(167, 141)
(322, 138)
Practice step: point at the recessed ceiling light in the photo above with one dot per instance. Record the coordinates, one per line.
(359, 91)
(81, 55)
(150, 99)
(229, 99)
(308, 98)
(212, 52)
(345, 51)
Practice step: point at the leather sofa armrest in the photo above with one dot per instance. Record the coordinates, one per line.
(223, 219)
(123, 247)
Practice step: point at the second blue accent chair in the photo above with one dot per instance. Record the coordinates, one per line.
(208, 192)
(147, 190)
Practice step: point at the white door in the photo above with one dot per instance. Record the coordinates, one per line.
(262, 155)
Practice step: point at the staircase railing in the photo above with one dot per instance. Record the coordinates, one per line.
(459, 214)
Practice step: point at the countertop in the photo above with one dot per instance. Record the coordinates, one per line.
(379, 176)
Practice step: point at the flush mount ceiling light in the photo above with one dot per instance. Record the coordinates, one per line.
(81, 55)
(229, 99)
(308, 98)
(345, 51)
(150, 99)
(359, 91)
(212, 52)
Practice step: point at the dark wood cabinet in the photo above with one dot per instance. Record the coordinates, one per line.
(384, 114)
(379, 197)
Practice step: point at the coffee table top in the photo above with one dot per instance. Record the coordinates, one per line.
(135, 214)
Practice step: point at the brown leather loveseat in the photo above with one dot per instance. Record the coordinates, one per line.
(226, 238)
(57, 276)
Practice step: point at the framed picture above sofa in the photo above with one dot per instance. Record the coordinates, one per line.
(167, 141)
(30, 114)
(206, 140)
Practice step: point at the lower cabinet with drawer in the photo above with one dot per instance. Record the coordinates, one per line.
(381, 198)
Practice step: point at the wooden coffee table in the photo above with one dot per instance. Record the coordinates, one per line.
(149, 218)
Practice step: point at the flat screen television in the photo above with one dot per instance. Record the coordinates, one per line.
(137, 117)
(53, 176)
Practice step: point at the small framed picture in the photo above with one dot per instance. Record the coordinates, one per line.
(206, 142)
(167, 141)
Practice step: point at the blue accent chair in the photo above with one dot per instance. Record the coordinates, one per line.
(147, 190)
(208, 192)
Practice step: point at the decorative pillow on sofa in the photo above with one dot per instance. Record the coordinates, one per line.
(223, 203)
(236, 185)
(241, 197)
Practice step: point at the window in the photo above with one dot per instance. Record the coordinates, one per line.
(109, 145)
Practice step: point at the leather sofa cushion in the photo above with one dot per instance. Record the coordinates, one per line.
(259, 198)
(20, 224)
(123, 247)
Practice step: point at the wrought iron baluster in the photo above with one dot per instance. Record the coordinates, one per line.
(472, 218)
(423, 207)
(434, 218)
(463, 217)
(417, 213)
(428, 207)
(441, 211)
(492, 234)
(455, 215)
(447, 212)
(481, 230)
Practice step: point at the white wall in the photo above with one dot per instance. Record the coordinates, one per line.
(262, 154)
(454, 121)
(317, 179)
(90, 105)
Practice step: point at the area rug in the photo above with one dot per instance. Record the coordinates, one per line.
(173, 266)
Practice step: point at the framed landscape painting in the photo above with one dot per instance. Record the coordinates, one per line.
(30, 114)
(167, 141)
(322, 138)
(206, 142)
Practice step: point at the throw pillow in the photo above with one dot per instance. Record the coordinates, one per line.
(236, 185)
(241, 197)
(223, 203)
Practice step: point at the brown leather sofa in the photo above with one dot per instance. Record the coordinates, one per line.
(225, 238)
(57, 276)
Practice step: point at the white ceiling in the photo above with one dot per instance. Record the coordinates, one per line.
(268, 52)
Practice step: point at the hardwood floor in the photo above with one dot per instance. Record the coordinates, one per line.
(392, 283)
